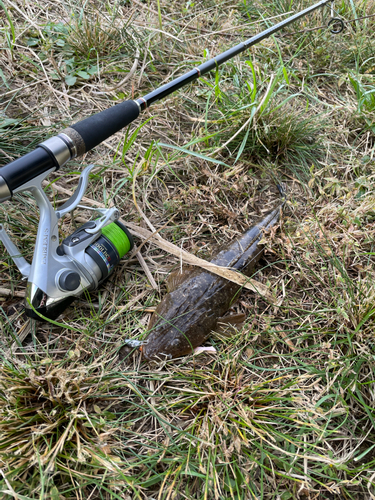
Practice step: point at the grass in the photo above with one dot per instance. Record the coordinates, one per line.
(285, 408)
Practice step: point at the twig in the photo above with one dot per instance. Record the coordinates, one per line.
(140, 211)
(5, 292)
(143, 62)
(10, 491)
(24, 87)
(27, 19)
(22, 334)
(159, 31)
(127, 77)
(144, 266)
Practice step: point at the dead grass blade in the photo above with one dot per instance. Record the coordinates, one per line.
(186, 257)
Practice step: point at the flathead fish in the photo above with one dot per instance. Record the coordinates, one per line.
(188, 314)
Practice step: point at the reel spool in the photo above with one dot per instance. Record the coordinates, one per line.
(102, 255)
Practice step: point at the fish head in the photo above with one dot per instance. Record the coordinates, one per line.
(168, 339)
(177, 326)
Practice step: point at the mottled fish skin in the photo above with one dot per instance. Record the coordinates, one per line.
(187, 315)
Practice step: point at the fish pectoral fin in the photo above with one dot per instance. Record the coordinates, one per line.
(177, 277)
(227, 325)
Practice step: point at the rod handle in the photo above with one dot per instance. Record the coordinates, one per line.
(23, 170)
(95, 129)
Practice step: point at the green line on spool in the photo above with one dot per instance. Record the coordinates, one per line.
(118, 238)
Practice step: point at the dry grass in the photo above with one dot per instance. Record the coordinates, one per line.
(285, 408)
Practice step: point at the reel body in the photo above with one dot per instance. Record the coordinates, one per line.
(60, 273)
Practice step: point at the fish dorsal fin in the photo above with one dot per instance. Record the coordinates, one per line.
(177, 277)
(227, 325)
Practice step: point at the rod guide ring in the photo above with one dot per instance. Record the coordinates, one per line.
(337, 25)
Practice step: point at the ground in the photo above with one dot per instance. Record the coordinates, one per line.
(285, 407)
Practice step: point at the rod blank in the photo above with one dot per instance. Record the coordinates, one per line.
(218, 60)
(88, 133)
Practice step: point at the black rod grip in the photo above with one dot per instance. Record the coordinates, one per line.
(97, 128)
(22, 170)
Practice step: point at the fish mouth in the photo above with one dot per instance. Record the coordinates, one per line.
(170, 347)
(155, 355)
(168, 338)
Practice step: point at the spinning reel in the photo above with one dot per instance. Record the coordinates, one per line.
(61, 272)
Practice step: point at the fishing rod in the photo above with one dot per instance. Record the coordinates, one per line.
(61, 272)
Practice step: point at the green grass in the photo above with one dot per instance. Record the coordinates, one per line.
(285, 408)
